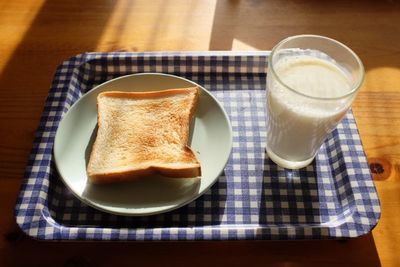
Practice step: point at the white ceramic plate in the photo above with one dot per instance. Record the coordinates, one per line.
(211, 139)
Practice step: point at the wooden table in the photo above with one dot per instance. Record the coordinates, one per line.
(36, 35)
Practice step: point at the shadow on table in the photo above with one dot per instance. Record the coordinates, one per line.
(354, 252)
(27, 73)
(29, 54)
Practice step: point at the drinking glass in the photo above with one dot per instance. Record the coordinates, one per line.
(312, 81)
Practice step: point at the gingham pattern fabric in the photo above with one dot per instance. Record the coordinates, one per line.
(334, 197)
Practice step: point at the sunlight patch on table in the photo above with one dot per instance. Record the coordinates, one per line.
(376, 79)
(242, 46)
(15, 25)
(135, 26)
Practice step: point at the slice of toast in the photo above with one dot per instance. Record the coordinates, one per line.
(142, 134)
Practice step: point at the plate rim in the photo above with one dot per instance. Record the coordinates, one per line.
(159, 211)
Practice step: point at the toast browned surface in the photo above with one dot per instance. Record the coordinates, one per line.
(142, 134)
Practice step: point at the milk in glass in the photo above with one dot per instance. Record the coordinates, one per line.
(304, 105)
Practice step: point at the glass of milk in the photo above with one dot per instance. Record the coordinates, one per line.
(312, 81)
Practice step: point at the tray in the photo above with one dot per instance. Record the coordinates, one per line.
(333, 198)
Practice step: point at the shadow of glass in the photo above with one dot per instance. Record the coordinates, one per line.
(289, 197)
(334, 183)
(319, 197)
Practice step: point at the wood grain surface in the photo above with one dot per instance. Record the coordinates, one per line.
(37, 35)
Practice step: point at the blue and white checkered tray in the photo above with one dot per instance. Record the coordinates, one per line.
(334, 197)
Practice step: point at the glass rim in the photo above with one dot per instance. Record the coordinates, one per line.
(354, 89)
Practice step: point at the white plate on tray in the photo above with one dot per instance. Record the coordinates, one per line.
(211, 139)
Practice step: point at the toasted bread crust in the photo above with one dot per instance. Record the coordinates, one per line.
(130, 175)
(186, 165)
(150, 94)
